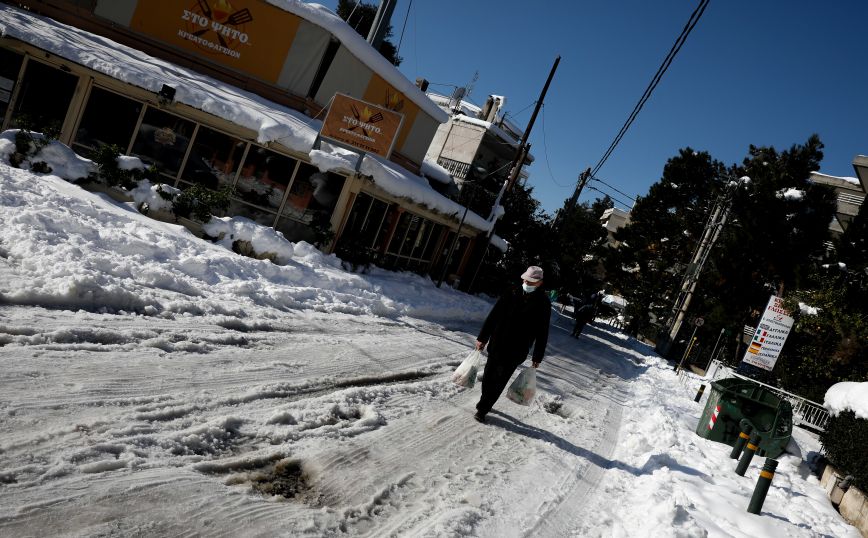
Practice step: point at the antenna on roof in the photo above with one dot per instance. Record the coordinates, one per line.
(455, 100)
(469, 86)
(461, 92)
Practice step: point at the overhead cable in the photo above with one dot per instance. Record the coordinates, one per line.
(614, 189)
(621, 202)
(694, 18)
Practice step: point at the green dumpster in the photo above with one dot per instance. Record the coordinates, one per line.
(734, 399)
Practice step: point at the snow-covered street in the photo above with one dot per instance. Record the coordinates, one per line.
(154, 384)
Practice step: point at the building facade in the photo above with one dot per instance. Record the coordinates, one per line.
(232, 94)
(850, 192)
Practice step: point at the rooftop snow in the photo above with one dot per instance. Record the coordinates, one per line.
(361, 49)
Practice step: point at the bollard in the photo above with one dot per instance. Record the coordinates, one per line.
(762, 486)
(743, 436)
(747, 455)
(699, 394)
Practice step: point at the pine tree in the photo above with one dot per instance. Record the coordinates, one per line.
(778, 228)
(579, 244)
(664, 228)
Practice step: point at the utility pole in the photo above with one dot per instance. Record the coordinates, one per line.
(523, 147)
(583, 180)
(719, 215)
(381, 22)
(518, 162)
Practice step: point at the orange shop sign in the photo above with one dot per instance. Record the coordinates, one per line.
(362, 125)
(247, 35)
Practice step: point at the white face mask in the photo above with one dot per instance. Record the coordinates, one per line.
(527, 287)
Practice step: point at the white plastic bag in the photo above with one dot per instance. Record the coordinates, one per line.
(523, 389)
(465, 374)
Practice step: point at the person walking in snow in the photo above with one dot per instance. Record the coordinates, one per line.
(519, 319)
(587, 312)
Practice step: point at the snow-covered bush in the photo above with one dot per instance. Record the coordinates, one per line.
(116, 170)
(42, 154)
(844, 442)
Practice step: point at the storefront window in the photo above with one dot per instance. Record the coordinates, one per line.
(294, 230)
(260, 216)
(415, 231)
(44, 98)
(162, 140)
(214, 159)
(434, 237)
(313, 192)
(373, 222)
(418, 246)
(264, 178)
(400, 233)
(108, 119)
(10, 65)
(392, 214)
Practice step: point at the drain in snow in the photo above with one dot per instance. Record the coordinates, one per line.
(285, 479)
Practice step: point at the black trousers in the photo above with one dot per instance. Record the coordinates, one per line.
(496, 375)
(578, 327)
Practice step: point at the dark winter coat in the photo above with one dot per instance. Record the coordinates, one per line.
(517, 321)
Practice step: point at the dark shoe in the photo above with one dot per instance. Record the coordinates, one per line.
(480, 417)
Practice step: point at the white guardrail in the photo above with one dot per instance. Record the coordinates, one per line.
(805, 412)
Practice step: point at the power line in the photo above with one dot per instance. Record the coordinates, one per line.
(407, 16)
(679, 42)
(546, 150)
(614, 199)
(614, 189)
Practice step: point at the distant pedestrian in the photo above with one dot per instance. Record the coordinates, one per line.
(587, 312)
(519, 319)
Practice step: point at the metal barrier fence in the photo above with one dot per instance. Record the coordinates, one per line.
(805, 412)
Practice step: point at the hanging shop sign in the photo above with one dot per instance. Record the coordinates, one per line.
(770, 335)
(362, 125)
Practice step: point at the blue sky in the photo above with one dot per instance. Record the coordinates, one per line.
(762, 73)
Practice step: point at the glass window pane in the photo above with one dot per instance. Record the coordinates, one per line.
(422, 239)
(10, 65)
(372, 224)
(264, 177)
(240, 209)
(44, 98)
(162, 140)
(414, 230)
(108, 119)
(400, 233)
(295, 231)
(383, 232)
(313, 192)
(436, 230)
(214, 159)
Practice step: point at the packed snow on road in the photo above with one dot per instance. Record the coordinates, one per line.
(156, 384)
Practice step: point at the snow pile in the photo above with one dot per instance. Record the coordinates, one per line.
(170, 376)
(149, 195)
(847, 396)
(62, 161)
(432, 170)
(263, 239)
(65, 247)
(667, 481)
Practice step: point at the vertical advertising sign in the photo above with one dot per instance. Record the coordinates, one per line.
(770, 335)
